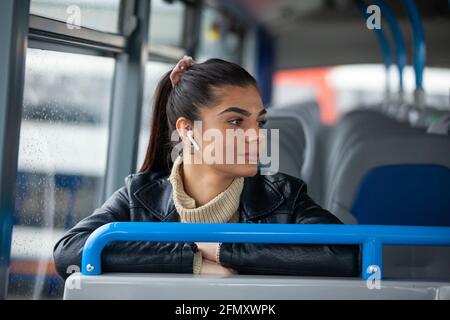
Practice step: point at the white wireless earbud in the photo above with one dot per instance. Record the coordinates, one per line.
(191, 138)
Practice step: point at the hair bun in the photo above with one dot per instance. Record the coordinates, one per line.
(185, 63)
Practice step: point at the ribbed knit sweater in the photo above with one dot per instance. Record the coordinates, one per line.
(222, 208)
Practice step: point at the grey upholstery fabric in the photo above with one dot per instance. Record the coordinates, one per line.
(377, 149)
(441, 126)
(299, 127)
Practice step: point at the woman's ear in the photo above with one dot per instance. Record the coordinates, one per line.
(183, 125)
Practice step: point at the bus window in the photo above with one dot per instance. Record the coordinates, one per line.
(153, 72)
(220, 36)
(166, 24)
(62, 161)
(166, 46)
(99, 15)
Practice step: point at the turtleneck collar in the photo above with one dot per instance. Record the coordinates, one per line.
(222, 208)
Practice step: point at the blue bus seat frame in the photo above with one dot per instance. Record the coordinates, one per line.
(370, 237)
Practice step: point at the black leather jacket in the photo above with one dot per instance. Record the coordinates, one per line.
(276, 198)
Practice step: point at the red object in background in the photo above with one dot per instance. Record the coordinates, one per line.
(31, 267)
(314, 78)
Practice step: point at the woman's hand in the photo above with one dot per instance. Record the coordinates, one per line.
(209, 267)
(208, 250)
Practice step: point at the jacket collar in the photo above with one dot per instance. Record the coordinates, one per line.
(259, 197)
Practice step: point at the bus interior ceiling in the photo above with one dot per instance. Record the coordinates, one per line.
(331, 32)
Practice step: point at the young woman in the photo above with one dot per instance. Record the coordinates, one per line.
(188, 188)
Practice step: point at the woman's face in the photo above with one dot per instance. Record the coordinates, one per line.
(231, 136)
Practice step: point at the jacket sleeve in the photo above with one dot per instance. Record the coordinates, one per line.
(128, 256)
(295, 259)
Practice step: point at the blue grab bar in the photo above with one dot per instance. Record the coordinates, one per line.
(420, 54)
(370, 237)
(381, 37)
(397, 35)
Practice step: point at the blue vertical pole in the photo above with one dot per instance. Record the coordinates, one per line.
(372, 258)
(265, 64)
(383, 42)
(419, 56)
(400, 49)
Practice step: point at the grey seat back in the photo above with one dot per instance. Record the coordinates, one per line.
(406, 148)
(299, 126)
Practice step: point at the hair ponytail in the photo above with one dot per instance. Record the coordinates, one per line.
(157, 157)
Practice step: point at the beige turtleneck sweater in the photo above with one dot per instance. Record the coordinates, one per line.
(222, 208)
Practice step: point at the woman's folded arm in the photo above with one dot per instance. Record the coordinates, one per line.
(295, 259)
(130, 256)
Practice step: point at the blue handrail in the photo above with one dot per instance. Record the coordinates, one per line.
(382, 40)
(371, 238)
(420, 54)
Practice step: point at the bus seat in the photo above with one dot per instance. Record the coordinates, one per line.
(174, 286)
(356, 126)
(404, 194)
(292, 144)
(401, 179)
(388, 172)
(298, 126)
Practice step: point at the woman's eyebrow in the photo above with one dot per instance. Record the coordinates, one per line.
(263, 111)
(241, 111)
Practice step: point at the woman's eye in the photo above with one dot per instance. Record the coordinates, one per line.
(235, 122)
(262, 123)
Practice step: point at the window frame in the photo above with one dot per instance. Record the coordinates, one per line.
(49, 34)
(13, 28)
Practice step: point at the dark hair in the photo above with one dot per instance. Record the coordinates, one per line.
(195, 90)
